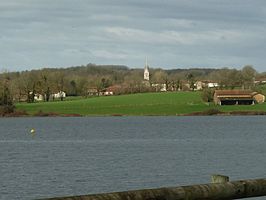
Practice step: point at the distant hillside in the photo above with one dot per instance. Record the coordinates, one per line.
(196, 71)
(79, 80)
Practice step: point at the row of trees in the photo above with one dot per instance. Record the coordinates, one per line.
(76, 81)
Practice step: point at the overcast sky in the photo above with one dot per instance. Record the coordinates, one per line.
(171, 33)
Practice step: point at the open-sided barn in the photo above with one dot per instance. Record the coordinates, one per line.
(237, 97)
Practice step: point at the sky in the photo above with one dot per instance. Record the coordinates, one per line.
(171, 33)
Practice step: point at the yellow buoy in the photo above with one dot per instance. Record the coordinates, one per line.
(32, 131)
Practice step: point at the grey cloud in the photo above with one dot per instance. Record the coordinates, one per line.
(171, 33)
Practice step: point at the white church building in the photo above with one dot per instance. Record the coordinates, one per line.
(146, 71)
(159, 87)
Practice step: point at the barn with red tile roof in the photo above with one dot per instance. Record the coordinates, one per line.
(234, 97)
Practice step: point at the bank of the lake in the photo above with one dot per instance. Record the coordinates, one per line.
(145, 104)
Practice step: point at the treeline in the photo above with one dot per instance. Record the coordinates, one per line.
(77, 81)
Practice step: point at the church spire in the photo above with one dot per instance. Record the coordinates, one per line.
(146, 71)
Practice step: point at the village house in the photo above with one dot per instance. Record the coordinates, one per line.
(259, 81)
(108, 92)
(212, 85)
(38, 97)
(59, 95)
(92, 91)
(199, 85)
(159, 87)
(113, 90)
(237, 97)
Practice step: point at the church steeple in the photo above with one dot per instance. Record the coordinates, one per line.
(146, 71)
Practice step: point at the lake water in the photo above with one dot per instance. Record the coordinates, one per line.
(74, 156)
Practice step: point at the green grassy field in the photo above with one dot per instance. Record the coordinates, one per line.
(174, 103)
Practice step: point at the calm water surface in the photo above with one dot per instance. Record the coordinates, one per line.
(73, 156)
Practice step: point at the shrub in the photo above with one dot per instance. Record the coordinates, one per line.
(6, 109)
(212, 111)
(40, 113)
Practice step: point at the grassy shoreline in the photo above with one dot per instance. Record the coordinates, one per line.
(145, 104)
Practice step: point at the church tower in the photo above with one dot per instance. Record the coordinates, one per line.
(146, 71)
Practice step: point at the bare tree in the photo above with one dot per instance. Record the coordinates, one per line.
(248, 76)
